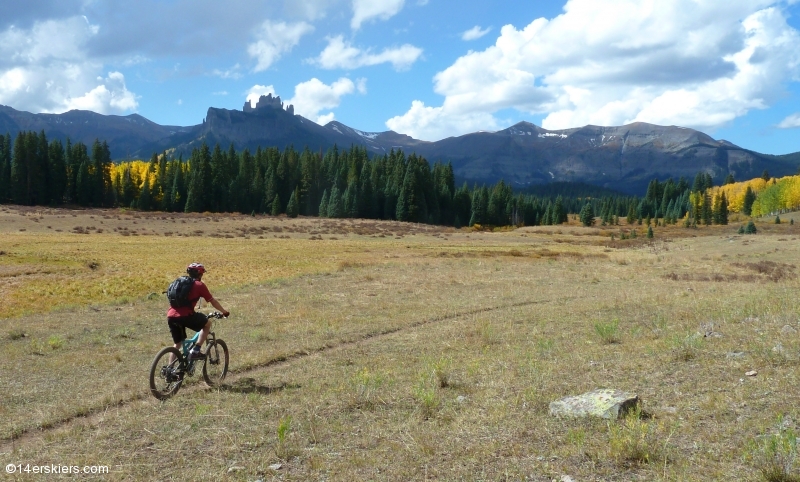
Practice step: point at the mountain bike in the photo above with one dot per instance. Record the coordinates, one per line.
(171, 366)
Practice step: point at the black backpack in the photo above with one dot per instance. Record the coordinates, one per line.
(178, 292)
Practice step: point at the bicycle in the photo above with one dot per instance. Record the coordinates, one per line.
(167, 375)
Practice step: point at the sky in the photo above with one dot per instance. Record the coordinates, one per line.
(427, 68)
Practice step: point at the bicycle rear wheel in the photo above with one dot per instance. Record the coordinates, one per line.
(216, 364)
(165, 377)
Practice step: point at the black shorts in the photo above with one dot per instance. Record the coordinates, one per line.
(178, 325)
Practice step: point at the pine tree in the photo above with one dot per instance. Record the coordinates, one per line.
(5, 171)
(84, 187)
(749, 199)
(20, 192)
(729, 179)
(293, 208)
(649, 232)
(58, 173)
(145, 198)
(723, 210)
(5, 168)
(631, 214)
(335, 205)
(323, 205)
(587, 215)
(705, 209)
(276, 205)
(777, 219)
(750, 228)
(559, 213)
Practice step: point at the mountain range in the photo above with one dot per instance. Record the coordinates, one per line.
(624, 158)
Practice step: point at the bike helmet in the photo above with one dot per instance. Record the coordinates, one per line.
(196, 268)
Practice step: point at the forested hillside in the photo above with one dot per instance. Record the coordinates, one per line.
(348, 184)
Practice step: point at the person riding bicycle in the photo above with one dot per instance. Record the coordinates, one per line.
(184, 317)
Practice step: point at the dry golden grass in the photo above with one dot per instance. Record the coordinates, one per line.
(434, 356)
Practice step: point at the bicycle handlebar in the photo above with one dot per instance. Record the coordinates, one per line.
(216, 314)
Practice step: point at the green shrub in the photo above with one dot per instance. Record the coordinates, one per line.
(55, 342)
(366, 386)
(687, 347)
(633, 439)
(775, 455)
(609, 332)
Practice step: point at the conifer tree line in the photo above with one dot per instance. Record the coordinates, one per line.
(35, 172)
(336, 184)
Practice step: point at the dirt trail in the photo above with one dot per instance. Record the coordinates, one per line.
(96, 415)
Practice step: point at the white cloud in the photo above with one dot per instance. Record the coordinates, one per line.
(257, 91)
(609, 62)
(221, 92)
(232, 73)
(111, 96)
(47, 69)
(342, 55)
(274, 39)
(364, 10)
(790, 122)
(434, 123)
(314, 96)
(475, 33)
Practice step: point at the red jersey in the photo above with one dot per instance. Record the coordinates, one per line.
(199, 290)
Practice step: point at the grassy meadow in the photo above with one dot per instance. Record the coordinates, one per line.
(367, 350)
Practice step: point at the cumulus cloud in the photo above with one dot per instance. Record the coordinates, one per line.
(46, 69)
(314, 96)
(610, 62)
(790, 122)
(257, 91)
(275, 39)
(110, 96)
(365, 10)
(342, 55)
(475, 33)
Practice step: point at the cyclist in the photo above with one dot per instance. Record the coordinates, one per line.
(184, 317)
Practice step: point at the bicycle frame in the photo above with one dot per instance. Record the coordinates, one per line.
(190, 342)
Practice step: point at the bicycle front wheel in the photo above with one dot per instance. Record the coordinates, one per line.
(166, 376)
(216, 364)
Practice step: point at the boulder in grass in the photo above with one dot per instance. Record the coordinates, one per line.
(603, 403)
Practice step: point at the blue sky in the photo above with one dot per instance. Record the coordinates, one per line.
(427, 68)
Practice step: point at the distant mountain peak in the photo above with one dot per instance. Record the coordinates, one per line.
(624, 157)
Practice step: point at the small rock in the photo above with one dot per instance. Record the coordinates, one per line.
(713, 334)
(778, 349)
(567, 478)
(276, 466)
(461, 399)
(234, 468)
(734, 354)
(750, 319)
(788, 330)
(751, 373)
(603, 403)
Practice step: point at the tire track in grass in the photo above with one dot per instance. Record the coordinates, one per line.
(9, 445)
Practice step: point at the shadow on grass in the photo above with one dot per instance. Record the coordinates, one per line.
(249, 385)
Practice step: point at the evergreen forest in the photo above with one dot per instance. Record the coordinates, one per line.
(351, 184)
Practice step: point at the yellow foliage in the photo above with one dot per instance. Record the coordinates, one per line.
(780, 194)
(735, 192)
